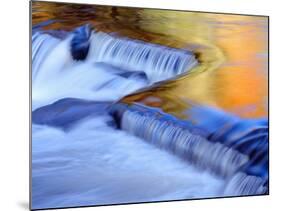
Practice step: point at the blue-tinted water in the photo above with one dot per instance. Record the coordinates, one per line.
(84, 153)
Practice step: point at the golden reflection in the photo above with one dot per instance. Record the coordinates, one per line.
(232, 50)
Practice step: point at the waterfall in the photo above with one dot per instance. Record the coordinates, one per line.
(169, 134)
(158, 62)
(243, 164)
(71, 63)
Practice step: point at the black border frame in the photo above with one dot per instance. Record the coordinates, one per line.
(145, 202)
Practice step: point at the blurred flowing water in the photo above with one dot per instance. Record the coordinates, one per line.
(84, 155)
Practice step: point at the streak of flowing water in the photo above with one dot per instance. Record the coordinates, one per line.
(158, 62)
(180, 140)
(232, 148)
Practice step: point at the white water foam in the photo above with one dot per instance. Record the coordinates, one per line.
(95, 164)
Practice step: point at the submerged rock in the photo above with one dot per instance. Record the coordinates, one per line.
(66, 112)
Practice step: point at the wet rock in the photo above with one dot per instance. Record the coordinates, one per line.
(80, 42)
(66, 112)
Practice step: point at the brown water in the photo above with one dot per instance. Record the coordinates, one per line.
(232, 50)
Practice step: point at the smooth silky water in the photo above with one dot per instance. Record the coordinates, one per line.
(85, 154)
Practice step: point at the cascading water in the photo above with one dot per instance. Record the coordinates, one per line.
(158, 62)
(180, 139)
(79, 154)
(238, 153)
(42, 44)
(115, 62)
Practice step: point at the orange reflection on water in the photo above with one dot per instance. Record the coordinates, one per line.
(242, 81)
